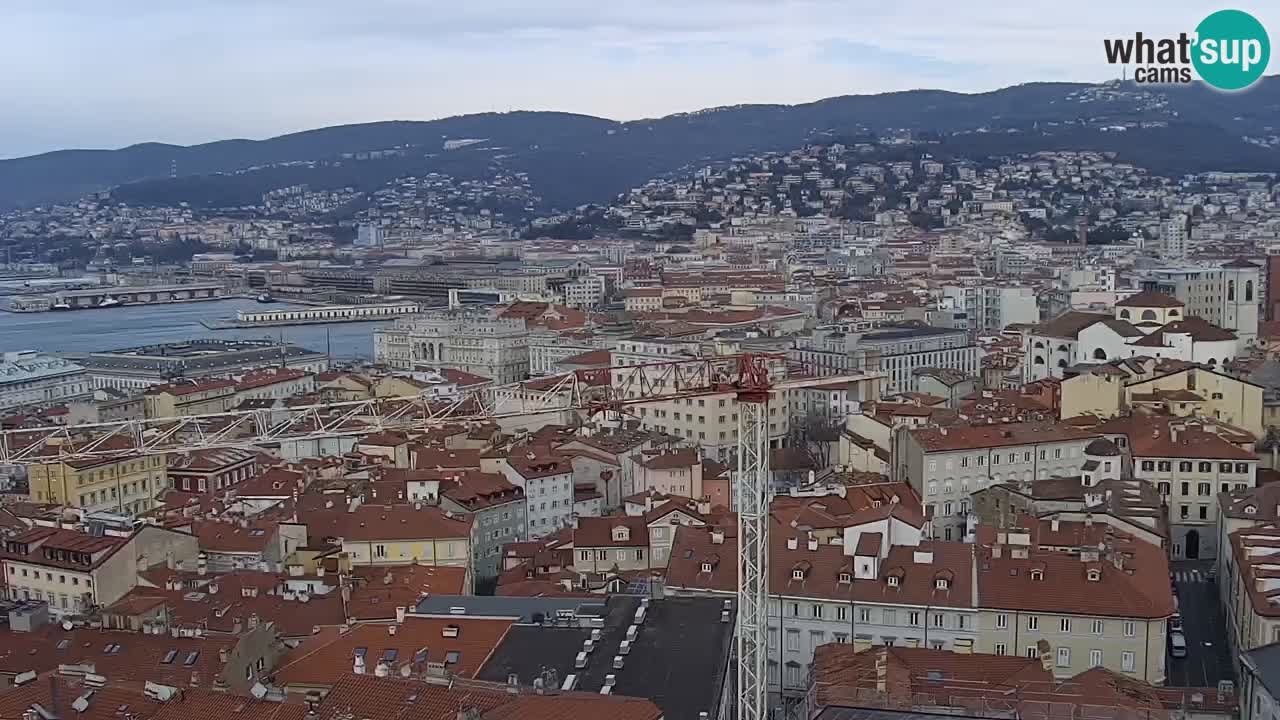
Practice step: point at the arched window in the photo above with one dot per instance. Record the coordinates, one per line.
(1231, 289)
(1124, 314)
(1062, 363)
(1039, 345)
(1212, 362)
(1039, 360)
(1173, 312)
(1148, 315)
(1099, 354)
(1063, 348)
(1248, 291)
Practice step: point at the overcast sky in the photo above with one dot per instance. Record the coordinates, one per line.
(77, 73)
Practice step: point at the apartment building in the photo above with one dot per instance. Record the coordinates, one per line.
(499, 510)
(121, 484)
(896, 351)
(547, 480)
(211, 471)
(611, 544)
(203, 396)
(1097, 597)
(1189, 462)
(1249, 587)
(399, 534)
(30, 379)
(1168, 387)
(945, 465)
(73, 571)
(709, 421)
(873, 595)
(992, 308)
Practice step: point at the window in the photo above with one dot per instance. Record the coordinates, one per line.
(933, 464)
(1126, 661)
(793, 640)
(1184, 466)
(1064, 625)
(939, 620)
(1002, 621)
(1057, 453)
(1130, 628)
(1204, 489)
(1186, 488)
(816, 611)
(1000, 649)
(1164, 488)
(842, 612)
(864, 615)
(1033, 622)
(1148, 465)
(1064, 657)
(380, 551)
(1224, 467)
(1098, 627)
(1242, 468)
(1095, 658)
(1204, 512)
(1032, 652)
(964, 462)
(913, 618)
(1206, 467)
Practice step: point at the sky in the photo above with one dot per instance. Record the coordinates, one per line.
(108, 74)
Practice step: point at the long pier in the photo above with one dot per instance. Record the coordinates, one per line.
(117, 296)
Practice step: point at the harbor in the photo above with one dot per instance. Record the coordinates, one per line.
(132, 325)
(325, 314)
(115, 296)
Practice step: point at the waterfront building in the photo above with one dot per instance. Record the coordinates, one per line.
(147, 365)
(30, 379)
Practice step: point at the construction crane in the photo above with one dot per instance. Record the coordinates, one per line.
(751, 378)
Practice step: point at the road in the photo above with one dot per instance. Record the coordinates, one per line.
(1208, 657)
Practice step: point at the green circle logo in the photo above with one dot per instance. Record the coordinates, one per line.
(1232, 49)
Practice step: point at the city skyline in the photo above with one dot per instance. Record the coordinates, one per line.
(229, 69)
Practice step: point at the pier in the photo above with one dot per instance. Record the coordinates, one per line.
(115, 296)
(315, 315)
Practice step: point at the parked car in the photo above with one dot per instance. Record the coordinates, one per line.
(1177, 644)
(1175, 623)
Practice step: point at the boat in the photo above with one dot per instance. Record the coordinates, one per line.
(265, 297)
(108, 301)
(60, 305)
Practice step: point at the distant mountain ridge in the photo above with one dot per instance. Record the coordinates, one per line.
(573, 159)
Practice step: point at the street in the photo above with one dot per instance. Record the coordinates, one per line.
(1208, 657)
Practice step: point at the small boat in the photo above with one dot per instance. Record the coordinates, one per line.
(265, 298)
(108, 301)
(61, 305)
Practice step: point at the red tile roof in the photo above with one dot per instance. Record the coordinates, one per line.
(324, 657)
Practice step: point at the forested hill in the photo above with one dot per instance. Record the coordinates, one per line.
(571, 159)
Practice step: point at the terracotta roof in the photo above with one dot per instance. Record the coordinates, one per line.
(1240, 263)
(379, 589)
(324, 657)
(1199, 329)
(464, 379)
(190, 387)
(1139, 589)
(988, 436)
(679, 458)
(263, 379)
(1068, 324)
(386, 522)
(1151, 299)
(596, 532)
(1166, 437)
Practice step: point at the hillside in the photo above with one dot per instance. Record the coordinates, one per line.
(573, 159)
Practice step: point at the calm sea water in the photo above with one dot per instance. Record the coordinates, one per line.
(121, 327)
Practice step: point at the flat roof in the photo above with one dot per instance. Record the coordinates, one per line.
(679, 659)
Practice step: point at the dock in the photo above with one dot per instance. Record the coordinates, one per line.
(314, 315)
(106, 297)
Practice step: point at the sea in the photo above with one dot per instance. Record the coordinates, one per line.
(79, 331)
